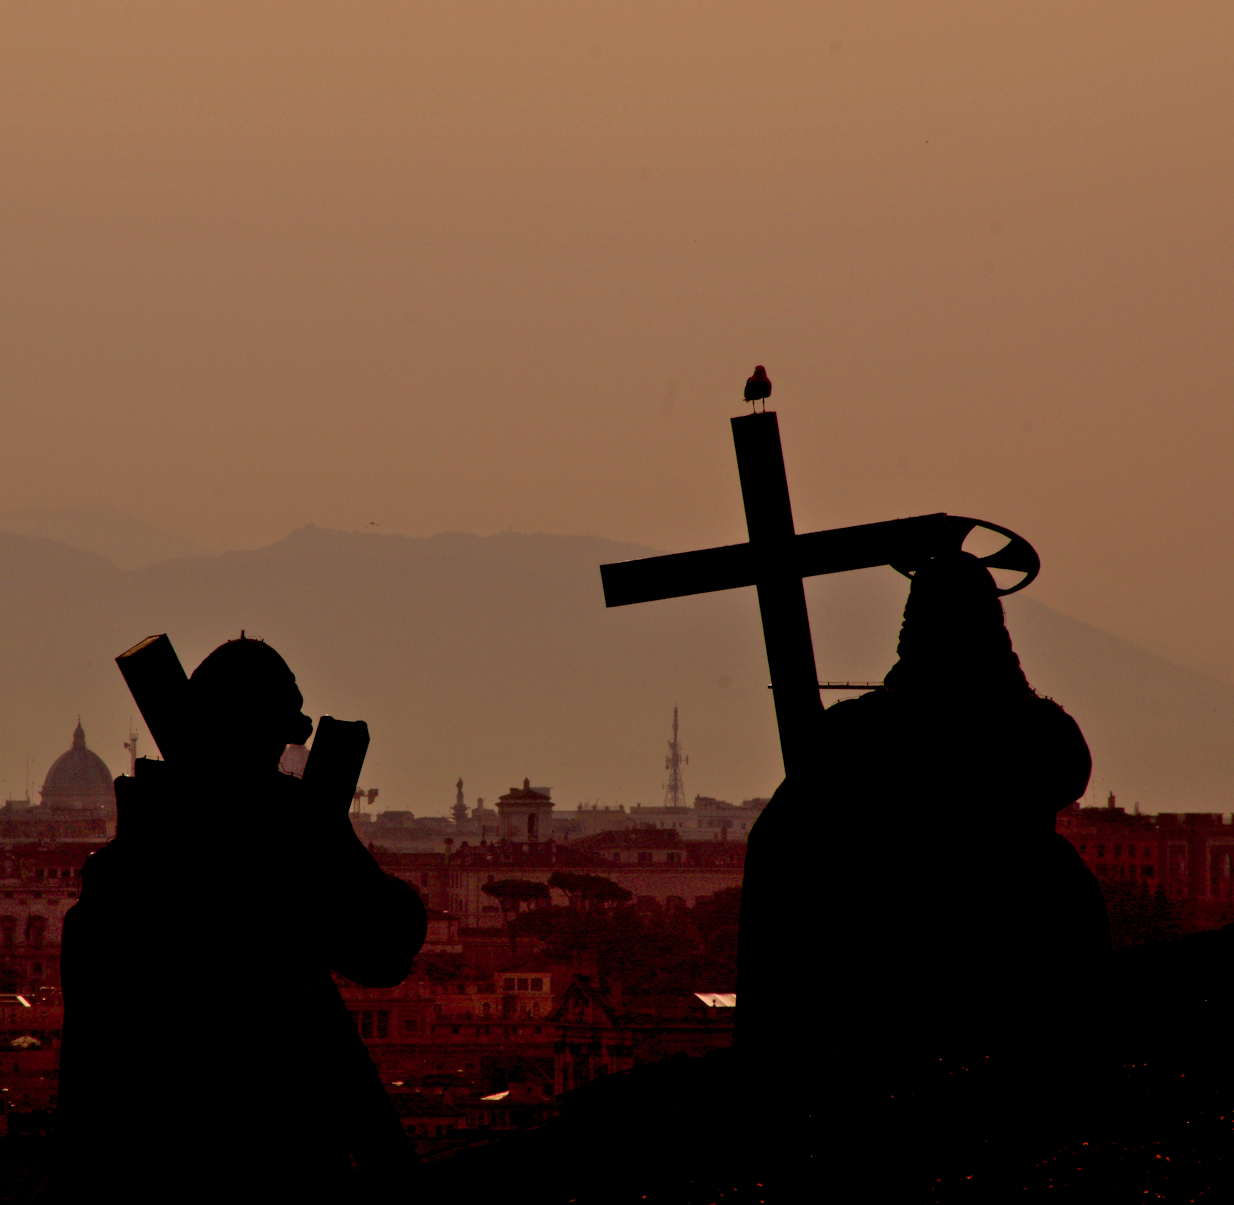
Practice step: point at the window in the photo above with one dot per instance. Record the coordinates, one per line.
(488, 1009)
(1131, 851)
(36, 926)
(410, 1024)
(537, 985)
(1146, 871)
(366, 1025)
(383, 1023)
(507, 985)
(644, 857)
(535, 1008)
(616, 856)
(674, 857)
(531, 825)
(674, 901)
(1118, 851)
(1101, 851)
(1083, 849)
(523, 985)
(8, 930)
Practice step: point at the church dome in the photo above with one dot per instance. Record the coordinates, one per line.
(78, 778)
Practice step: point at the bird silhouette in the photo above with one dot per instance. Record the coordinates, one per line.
(758, 386)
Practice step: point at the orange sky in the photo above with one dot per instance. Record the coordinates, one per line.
(470, 265)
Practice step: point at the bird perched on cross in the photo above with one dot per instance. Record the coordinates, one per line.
(758, 387)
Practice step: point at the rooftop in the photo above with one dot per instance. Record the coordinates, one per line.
(642, 837)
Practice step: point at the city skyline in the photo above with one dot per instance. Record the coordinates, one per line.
(485, 621)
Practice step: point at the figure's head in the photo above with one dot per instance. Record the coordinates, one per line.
(954, 639)
(244, 698)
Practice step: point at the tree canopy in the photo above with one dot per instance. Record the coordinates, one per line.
(589, 892)
(512, 894)
(649, 950)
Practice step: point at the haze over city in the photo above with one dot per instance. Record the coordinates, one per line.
(474, 268)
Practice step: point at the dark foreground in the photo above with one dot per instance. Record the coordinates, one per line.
(1131, 1100)
(676, 1134)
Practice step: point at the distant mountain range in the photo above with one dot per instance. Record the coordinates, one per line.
(493, 658)
(125, 541)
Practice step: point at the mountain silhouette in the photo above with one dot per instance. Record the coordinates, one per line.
(125, 541)
(494, 658)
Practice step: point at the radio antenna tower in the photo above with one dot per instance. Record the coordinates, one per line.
(131, 746)
(675, 788)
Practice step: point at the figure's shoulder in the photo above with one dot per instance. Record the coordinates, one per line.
(1048, 714)
(103, 858)
(104, 868)
(878, 713)
(874, 704)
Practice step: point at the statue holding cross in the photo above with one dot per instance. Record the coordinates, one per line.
(263, 891)
(776, 559)
(906, 878)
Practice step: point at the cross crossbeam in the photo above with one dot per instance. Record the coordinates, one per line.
(776, 559)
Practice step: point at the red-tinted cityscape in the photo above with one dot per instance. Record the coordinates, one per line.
(564, 945)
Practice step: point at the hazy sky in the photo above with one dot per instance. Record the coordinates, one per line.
(469, 265)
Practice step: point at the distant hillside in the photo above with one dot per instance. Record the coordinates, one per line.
(127, 542)
(494, 658)
(1160, 734)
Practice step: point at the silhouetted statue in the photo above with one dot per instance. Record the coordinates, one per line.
(960, 768)
(919, 867)
(207, 1053)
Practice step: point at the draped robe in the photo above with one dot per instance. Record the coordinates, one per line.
(908, 905)
(207, 1053)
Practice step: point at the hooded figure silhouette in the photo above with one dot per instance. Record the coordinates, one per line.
(969, 894)
(207, 1053)
(952, 921)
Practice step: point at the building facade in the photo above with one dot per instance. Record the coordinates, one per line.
(1190, 855)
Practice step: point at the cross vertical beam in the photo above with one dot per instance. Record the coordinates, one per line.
(781, 595)
(776, 559)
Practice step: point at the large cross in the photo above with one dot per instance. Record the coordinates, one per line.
(776, 559)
